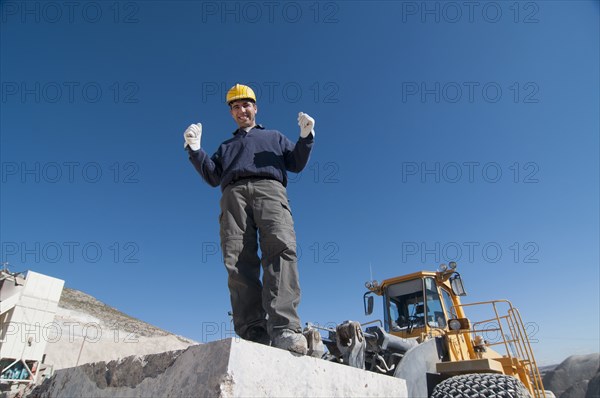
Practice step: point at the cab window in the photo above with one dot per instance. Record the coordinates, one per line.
(450, 312)
(435, 313)
(406, 305)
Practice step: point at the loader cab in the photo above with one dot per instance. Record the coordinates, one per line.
(416, 304)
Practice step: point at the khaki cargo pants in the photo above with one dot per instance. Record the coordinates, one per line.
(252, 207)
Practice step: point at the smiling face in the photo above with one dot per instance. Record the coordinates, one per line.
(244, 113)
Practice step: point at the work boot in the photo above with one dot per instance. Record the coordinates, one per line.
(287, 339)
(258, 334)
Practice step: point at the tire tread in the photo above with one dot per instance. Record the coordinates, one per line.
(481, 385)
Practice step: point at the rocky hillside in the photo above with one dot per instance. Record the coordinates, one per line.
(75, 300)
(87, 330)
(578, 376)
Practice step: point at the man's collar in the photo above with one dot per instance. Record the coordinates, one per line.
(258, 126)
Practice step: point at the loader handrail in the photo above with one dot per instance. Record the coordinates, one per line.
(513, 337)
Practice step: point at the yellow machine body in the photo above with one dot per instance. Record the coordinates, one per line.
(427, 304)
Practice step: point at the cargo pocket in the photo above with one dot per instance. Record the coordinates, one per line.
(287, 214)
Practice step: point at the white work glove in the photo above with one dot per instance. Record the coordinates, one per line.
(192, 136)
(307, 125)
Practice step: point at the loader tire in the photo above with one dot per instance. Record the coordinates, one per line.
(481, 385)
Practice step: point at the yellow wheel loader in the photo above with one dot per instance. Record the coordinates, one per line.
(427, 339)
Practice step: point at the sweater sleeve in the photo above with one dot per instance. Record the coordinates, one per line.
(208, 167)
(296, 156)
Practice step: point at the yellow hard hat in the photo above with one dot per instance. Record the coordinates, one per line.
(239, 91)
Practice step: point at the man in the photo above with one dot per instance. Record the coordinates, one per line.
(251, 169)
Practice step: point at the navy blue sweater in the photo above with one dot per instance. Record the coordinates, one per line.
(256, 153)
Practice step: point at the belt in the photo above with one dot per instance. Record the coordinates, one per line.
(252, 178)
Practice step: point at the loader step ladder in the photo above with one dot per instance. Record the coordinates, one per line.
(512, 336)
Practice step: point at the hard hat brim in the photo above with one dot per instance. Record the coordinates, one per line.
(240, 98)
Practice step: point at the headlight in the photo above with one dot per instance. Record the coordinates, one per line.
(454, 324)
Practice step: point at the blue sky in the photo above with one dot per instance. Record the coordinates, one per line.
(444, 131)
